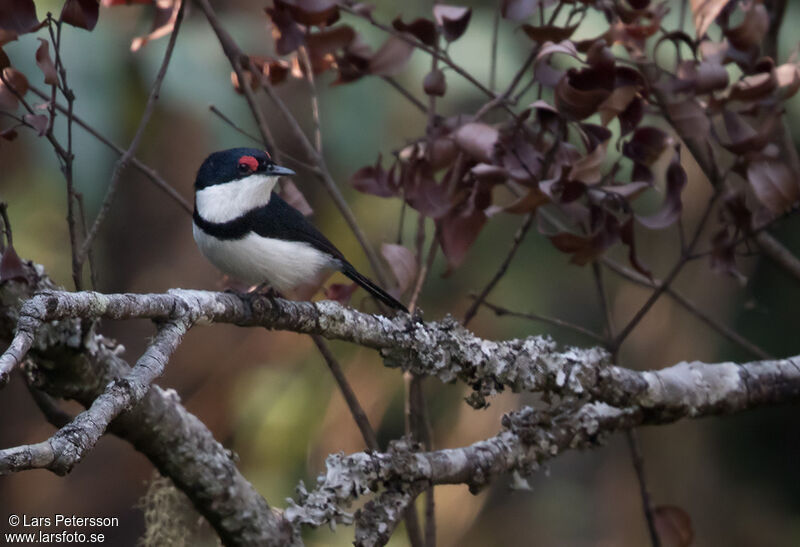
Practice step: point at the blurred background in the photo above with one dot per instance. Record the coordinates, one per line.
(268, 395)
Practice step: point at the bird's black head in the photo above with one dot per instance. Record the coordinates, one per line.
(235, 164)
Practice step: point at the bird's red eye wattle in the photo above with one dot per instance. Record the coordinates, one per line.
(248, 164)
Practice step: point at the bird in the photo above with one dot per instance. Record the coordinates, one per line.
(250, 233)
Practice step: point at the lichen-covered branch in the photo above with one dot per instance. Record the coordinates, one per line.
(443, 349)
(596, 399)
(69, 444)
(530, 437)
(70, 361)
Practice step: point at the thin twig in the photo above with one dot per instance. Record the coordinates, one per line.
(419, 45)
(647, 504)
(597, 274)
(314, 99)
(49, 407)
(278, 151)
(689, 306)
(421, 430)
(412, 387)
(771, 247)
(493, 59)
(501, 311)
(6, 227)
(519, 236)
(424, 270)
(123, 161)
(149, 172)
(633, 444)
(349, 395)
(405, 93)
(84, 230)
(676, 269)
(232, 124)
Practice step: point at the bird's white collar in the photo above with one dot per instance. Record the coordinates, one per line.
(230, 200)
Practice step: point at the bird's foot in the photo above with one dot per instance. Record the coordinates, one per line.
(265, 289)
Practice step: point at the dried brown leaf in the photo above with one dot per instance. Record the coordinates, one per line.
(753, 28)
(588, 169)
(452, 19)
(18, 16)
(81, 13)
(741, 137)
(787, 76)
(457, 233)
(616, 103)
(689, 119)
(626, 234)
(703, 77)
(330, 40)
(527, 203)
(403, 264)
(580, 92)
(631, 117)
(46, 64)
(166, 15)
(671, 207)
(705, 12)
(373, 179)
(38, 122)
(18, 82)
(286, 33)
(392, 57)
(423, 193)
(673, 524)
(517, 10)
(774, 184)
(647, 145)
(421, 28)
(477, 139)
(549, 33)
(754, 87)
(340, 292)
(311, 12)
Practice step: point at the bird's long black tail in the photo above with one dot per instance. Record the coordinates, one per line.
(372, 288)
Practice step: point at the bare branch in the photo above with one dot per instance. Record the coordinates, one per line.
(123, 161)
(531, 436)
(500, 311)
(689, 306)
(71, 443)
(356, 410)
(149, 172)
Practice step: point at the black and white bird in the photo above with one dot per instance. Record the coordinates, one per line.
(250, 233)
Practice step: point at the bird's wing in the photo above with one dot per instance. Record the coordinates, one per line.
(277, 219)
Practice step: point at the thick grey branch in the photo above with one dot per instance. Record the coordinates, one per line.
(531, 436)
(72, 442)
(67, 362)
(443, 349)
(597, 398)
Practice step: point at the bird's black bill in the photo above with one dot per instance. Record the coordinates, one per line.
(281, 171)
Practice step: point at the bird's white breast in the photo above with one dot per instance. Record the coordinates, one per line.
(230, 200)
(255, 259)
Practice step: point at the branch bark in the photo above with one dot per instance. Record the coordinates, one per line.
(66, 362)
(596, 399)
